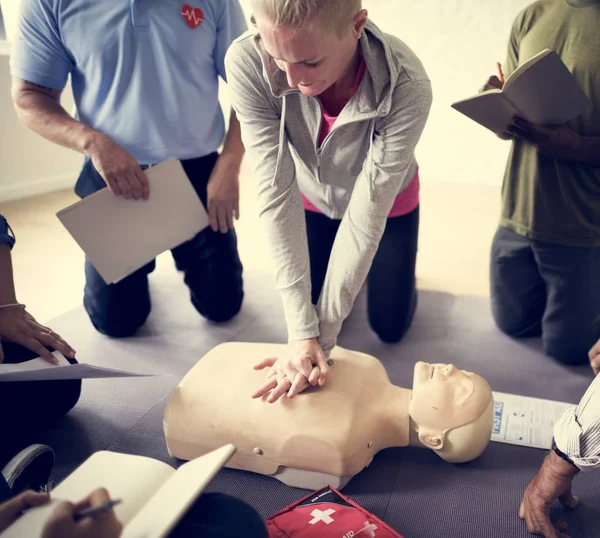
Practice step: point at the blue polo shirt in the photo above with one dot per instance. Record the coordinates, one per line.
(140, 74)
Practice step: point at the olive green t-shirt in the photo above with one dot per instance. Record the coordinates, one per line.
(543, 198)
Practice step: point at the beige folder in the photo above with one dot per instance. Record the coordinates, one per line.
(119, 236)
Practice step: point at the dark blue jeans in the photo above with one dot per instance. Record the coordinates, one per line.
(547, 290)
(391, 284)
(210, 263)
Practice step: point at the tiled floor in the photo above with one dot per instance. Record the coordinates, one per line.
(457, 224)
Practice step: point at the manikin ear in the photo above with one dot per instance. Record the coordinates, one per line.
(432, 439)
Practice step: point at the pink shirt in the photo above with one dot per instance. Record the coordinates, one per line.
(407, 200)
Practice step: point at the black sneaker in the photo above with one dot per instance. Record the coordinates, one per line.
(30, 469)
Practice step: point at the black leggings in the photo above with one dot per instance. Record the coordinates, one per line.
(29, 407)
(391, 288)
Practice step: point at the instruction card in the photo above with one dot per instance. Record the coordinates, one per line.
(525, 421)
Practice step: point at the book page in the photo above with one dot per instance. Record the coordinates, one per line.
(164, 510)
(489, 109)
(526, 421)
(546, 93)
(133, 479)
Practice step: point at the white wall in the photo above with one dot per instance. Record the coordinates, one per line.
(458, 41)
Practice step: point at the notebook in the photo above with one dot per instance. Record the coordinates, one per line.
(154, 495)
(120, 236)
(542, 90)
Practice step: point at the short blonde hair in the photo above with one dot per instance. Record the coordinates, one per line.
(333, 15)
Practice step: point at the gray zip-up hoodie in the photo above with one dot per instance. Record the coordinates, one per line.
(354, 175)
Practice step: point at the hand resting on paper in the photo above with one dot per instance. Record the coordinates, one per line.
(60, 523)
(553, 481)
(19, 326)
(120, 171)
(302, 365)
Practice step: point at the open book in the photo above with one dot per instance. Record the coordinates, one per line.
(119, 236)
(541, 90)
(154, 495)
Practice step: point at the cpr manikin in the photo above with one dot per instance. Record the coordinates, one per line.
(324, 436)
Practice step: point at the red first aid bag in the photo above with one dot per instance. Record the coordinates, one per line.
(327, 514)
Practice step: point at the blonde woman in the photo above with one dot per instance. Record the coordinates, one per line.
(331, 109)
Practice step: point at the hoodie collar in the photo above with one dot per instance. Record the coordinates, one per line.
(375, 91)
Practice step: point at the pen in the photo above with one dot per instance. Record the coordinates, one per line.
(96, 509)
(500, 73)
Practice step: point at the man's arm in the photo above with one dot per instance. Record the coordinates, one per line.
(38, 107)
(7, 284)
(223, 190)
(577, 433)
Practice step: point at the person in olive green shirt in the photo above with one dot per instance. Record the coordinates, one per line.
(545, 256)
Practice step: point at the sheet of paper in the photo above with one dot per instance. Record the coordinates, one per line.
(119, 236)
(525, 421)
(40, 370)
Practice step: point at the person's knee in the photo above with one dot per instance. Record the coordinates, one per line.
(221, 307)
(566, 349)
(392, 329)
(515, 326)
(118, 325)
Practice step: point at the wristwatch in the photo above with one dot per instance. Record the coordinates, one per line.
(561, 454)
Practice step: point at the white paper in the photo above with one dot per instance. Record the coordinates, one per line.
(39, 369)
(119, 236)
(525, 421)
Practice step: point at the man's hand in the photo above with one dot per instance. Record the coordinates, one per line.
(302, 365)
(224, 193)
(556, 141)
(494, 83)
(61, 524)
(118, 168)
(595, 358)
(553, 481)
(11, 510)
(19, 326)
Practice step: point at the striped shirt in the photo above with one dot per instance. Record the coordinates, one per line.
(577, 433)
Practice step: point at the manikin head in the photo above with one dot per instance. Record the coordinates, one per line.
(314, 42)
(451, 411)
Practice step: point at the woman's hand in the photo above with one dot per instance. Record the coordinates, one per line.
(19, 326)
(303, 364)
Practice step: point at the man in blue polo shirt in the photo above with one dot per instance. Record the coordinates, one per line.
(144, 75)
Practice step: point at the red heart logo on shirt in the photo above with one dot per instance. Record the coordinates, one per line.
(193, 16)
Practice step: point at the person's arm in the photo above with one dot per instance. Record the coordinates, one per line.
(361, 229)
(577, 433)
(16, 324)
(223, 186)
(40, 66)
(279, 198)
(575, 448)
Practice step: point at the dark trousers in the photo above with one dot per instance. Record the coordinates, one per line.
(210, 263)
(547, 290)
(29, 407)
(215, 515)
(391, 287)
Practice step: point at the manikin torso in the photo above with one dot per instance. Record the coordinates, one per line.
(323, 436)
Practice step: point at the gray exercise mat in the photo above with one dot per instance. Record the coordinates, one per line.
(411, 489)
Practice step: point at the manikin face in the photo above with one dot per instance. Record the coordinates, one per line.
(312, 58)
(444, 397)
